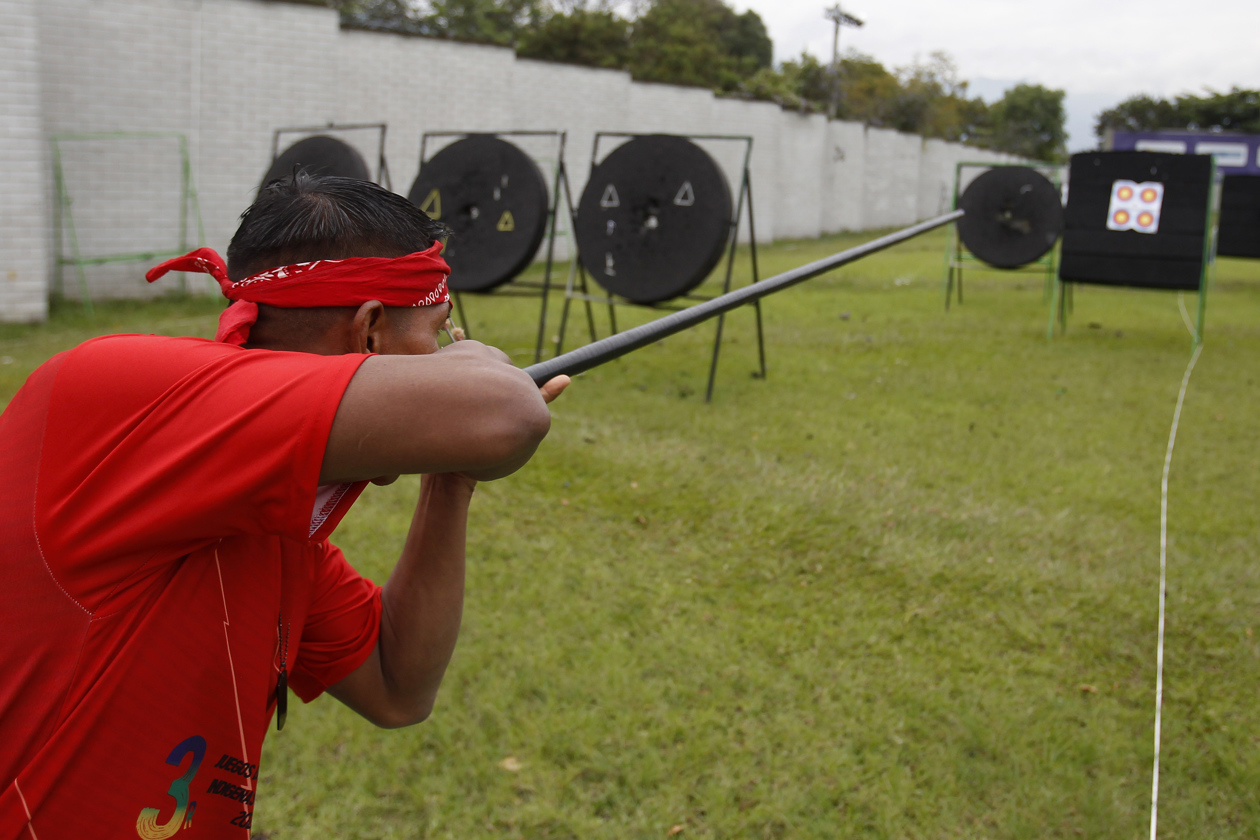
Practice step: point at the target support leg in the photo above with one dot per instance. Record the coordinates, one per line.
(1054, 306)
(1199, 323)
(756, 271)
(761, 341)
(463, 316)
(568, 301)
(717, 348)
(542, 315)
(590, 312)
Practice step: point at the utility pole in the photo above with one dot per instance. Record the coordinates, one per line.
(841, 18)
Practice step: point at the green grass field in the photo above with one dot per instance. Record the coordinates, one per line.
(905, 587)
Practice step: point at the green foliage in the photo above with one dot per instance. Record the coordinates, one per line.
(594, 38)
(484, 21)
(925, 98)
(905, 587)
(705, 43)
(480, 21)
(698, 42)
(1029, 121)
(1237, 110)
(388, 15)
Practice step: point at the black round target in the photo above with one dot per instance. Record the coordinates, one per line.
(654, 218)
(319, 155)
(494, 198)
(1014, 216)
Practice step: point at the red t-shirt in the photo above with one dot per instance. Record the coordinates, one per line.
(163, 550)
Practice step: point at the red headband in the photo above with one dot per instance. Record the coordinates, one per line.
(417, 279)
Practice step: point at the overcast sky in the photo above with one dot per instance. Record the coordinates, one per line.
(1099, 51)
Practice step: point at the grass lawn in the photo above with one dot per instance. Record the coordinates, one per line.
(906, 587)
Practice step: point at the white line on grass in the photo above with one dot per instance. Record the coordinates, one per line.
(1163, 558)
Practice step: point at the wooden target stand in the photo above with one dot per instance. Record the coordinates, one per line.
(382, 166)
(1177, 252)
(578, 289)
(512, 287)
(958, 257)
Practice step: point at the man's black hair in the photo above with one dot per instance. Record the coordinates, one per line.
(308, 217)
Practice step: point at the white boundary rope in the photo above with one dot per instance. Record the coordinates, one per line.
(1163, 559)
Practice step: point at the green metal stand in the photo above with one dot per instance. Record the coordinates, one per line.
(63, 212)
(1061, 299)
(957, 257)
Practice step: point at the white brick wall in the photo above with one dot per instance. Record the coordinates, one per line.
(24, 221)
(227, 73)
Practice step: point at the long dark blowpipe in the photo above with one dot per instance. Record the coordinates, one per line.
(607, 349)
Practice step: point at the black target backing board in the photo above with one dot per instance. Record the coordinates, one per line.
(1238, 233)
(1173, 257)
(1014, 216)
(494, 198)
(654, 218)
(319, 155)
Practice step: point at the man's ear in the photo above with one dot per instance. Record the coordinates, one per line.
(365, 329)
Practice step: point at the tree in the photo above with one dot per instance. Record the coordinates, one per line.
(389, 15)
(594, 38)
(698, 42)
(1029, 121)
(480, 21)
(1237, 110)
(925, 98)
(483, 21)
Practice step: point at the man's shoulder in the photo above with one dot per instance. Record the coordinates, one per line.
(129, 357)
(124, 344)
(126, 354)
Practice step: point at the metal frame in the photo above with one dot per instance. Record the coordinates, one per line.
(1061, 300)
(957, 257)
(515, 288)
(382, 167)
(63, 212)
(577, 289)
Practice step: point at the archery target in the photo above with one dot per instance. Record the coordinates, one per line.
(494, 198)
(1135, 206)
(654, 219)
(319, 155)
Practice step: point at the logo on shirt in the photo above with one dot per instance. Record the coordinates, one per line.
(147, 824)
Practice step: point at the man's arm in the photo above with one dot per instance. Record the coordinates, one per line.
(421, 606)
(463, 409)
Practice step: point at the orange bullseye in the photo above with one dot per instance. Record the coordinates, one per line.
(1124, 193)
(1121, 217)
(1145, 219)
(1148, 195)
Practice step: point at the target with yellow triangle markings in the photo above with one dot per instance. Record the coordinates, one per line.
(493, 197)
(432, 205)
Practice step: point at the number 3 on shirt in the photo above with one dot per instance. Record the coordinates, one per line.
(146, 823)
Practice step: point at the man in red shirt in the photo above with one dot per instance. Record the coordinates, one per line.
(165, 505)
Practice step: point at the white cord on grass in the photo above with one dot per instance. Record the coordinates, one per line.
(1185, 317)
(1163, 559)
